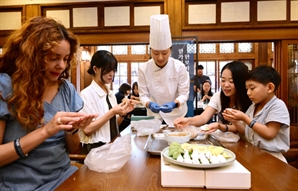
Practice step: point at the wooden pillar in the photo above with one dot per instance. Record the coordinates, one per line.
(263, 53)
(32, 11)
(174, 11)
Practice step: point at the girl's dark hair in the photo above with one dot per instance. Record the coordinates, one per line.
(209, 93)
(239, 74)
(124, 87)
(135, 84)
(104, 60)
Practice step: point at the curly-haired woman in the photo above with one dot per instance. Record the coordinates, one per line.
(38, 107)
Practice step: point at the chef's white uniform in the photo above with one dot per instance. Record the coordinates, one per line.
(162, 85)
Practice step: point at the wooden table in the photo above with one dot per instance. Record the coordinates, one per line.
(142, 171)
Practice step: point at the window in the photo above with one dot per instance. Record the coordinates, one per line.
(245, 47)
(226, 48)
(107, 48)
(119, 50)
(121, 76)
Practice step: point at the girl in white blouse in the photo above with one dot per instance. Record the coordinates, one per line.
(98, 98)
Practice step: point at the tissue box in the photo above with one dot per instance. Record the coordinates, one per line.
(178, 176)
(234, 176)
(135, 119)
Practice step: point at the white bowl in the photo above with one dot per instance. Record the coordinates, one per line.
(179, 137)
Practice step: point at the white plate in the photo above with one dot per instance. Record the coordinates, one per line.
(165, 154)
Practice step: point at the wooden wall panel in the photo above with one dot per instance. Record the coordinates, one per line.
(32, 11)
(263, 53)
(265, 34)
(108, 38)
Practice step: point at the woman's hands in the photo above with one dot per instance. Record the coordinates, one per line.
(68, 121)
(181, 122)
(123, 108)
(210, 128)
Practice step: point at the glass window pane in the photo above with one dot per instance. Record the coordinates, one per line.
(117, 83)
(226, 47)
(191, 48)
(120, 50)
(120, 76)
(207, 48)
(134, 68)
(134, 71)
(293, 82)
(248, 64)
(222, 64)
(245, 47)
(107, 48)
(138, 49)
(122, 68)
(209, 70)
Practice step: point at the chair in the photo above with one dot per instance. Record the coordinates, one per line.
(292, 154)
(77, 159)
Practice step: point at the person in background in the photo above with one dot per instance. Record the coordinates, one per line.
(123, 92)
(98, 98)
(122, 95)
(135, 93)
(232, 95)
(38, 107)
(199, 79)
(163, 80)
(206, 93)
(266, 122)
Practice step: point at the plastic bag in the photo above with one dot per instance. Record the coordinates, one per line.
(147, 127)
(225, 136)
(110, 157)
(191, 129)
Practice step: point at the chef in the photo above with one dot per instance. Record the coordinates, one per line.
(163, 80)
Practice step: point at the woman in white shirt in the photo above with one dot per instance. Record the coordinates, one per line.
(232, 95)
(98, 98)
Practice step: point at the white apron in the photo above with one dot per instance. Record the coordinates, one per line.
(162, 85)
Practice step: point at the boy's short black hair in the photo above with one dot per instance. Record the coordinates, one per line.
(264, 75)
(200, 67)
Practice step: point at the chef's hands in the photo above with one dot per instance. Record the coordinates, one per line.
(155, 108)
(168, 107)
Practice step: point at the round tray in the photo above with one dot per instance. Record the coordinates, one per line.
(165, 154)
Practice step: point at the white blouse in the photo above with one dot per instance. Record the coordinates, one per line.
(95, 102)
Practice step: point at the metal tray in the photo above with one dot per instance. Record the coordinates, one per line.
(156, 142)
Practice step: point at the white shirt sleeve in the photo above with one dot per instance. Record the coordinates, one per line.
(215, 101)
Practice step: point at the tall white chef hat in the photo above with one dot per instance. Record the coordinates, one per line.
(160, 33)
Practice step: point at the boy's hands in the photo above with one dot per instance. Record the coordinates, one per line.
(233, 115)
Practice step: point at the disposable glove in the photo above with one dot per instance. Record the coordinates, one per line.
(168, 107)
(154, 107)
